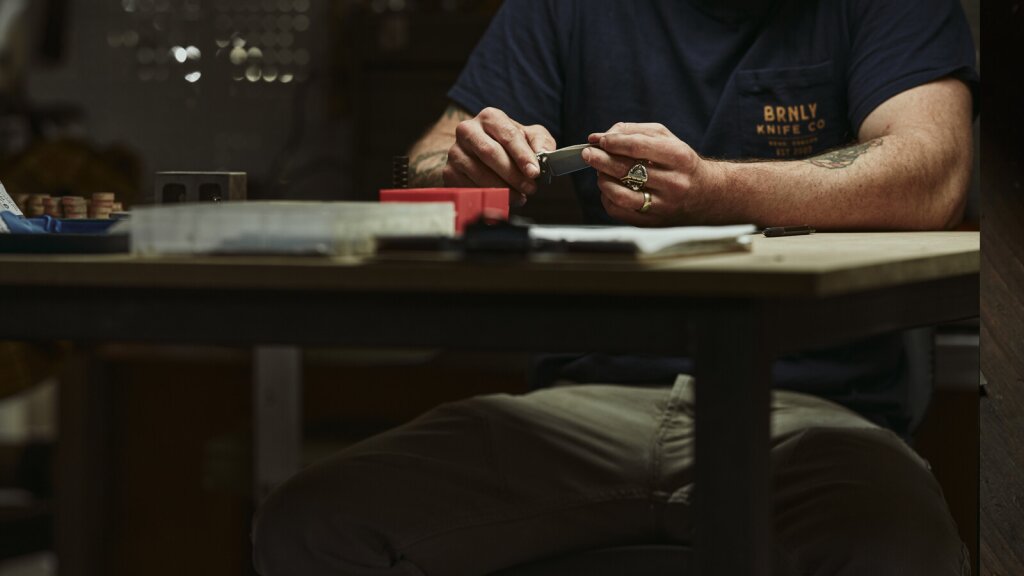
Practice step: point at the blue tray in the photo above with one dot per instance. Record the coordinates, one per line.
(65, 237)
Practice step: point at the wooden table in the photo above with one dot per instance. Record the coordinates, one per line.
(734, 313)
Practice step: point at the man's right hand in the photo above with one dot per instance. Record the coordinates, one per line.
(494, 151)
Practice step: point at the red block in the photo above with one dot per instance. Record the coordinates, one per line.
(496, 202)
(470, 203)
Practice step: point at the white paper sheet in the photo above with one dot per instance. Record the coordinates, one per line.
(647, 240)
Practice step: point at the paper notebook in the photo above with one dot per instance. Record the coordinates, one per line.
(649, 242)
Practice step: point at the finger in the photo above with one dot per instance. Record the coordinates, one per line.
(473, 170)
(619, 166)
(628, 215)
(634, 146)
(632, 217)
(455, 179)
(478, 144)
(665, 150)
(621, 214)
(540, 139)
(451, 175)
(512, 138)
(650, 128)
(613, 193)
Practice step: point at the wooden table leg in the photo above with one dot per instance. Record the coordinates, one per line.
(83, 467)
(277, 416)
(733, 499)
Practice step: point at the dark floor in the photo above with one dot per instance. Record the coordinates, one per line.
(42, 564)
(1002, 299)
(1002, 458)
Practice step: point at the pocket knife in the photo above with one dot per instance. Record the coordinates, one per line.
(561, 162)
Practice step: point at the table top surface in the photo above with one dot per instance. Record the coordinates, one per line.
(814, 266)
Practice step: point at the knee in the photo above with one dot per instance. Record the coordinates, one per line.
(278, 533)
(859, 501)
(351, 513)
(303, 529)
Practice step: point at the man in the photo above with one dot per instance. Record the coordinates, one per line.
(858, 115)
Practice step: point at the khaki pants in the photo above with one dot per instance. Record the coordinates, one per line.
(496, 481)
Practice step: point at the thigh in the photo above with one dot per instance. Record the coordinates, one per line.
(852, 500)
(475, 486)
(791, 415)
(849, 498)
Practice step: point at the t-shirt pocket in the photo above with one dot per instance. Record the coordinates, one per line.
(788, 113)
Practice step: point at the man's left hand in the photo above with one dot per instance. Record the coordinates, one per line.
(677, 176)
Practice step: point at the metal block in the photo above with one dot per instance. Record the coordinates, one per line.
(179, 187)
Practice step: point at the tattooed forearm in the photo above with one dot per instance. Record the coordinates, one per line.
(425, 169)
(456, 113)
(430, 154)
(844, 157)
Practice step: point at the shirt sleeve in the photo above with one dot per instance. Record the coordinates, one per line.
(517, 66)
(900, 44)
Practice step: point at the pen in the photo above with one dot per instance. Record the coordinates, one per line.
(778, 231)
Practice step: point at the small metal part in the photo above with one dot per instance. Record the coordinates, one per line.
(780, 231)
(400, 172)
(561, 162)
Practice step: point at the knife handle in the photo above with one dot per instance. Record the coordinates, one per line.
(546, 176)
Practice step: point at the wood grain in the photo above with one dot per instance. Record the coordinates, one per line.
(1002, 296)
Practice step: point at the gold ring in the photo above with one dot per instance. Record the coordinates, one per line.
(636, 178)
(647, 203)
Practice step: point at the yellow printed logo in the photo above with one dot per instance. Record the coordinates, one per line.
(792, 129)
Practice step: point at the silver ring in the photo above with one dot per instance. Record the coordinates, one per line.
(647, 203)
(636, 178)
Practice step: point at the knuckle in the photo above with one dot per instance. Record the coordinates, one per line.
(487, 150)
(506, 133)
(542, 133)
(685, 158)
(464, 129)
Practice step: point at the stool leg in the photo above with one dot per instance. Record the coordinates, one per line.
(277, 416)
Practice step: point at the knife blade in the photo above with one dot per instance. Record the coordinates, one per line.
(561, 162)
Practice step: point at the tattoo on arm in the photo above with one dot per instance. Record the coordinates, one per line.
(425, 169)
(844, 157)
(453, 111)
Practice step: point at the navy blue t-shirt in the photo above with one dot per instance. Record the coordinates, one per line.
(794, 80)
